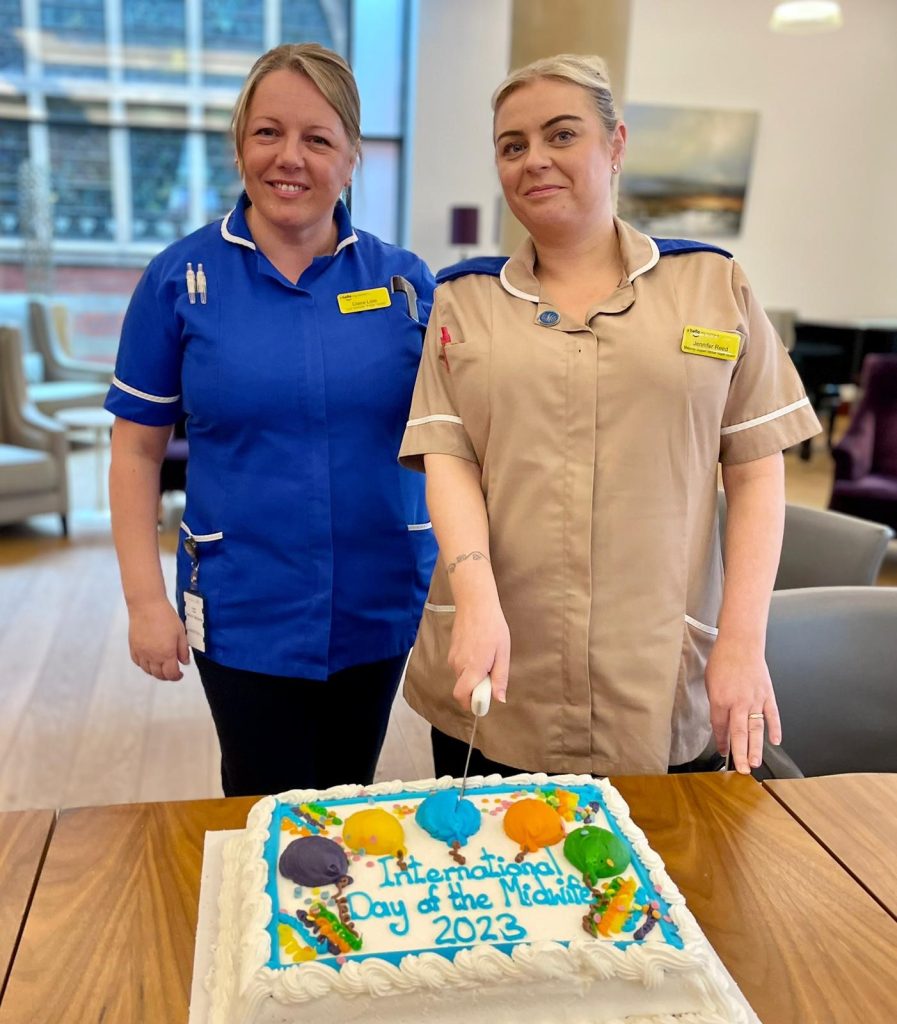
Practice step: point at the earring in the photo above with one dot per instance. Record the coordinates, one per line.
(615, 168)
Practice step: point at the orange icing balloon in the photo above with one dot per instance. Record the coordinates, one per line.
(374, 831)
(533, 824)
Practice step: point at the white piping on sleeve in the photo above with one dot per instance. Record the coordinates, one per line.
(414, 527)
(227, 236)
(442, 608)
(438, 418)
(702, 626)
(200, 537)
(655, 256)
(765, 419)
(508, 287)
(166, 400)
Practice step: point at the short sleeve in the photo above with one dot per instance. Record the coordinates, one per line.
(434, 425)
(767, 409)
(146, 387)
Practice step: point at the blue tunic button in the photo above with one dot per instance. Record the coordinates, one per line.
(549, 318)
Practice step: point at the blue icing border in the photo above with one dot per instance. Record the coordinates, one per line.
(587, 794)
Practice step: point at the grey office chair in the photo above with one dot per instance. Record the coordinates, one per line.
(832, 656)
(826, 549)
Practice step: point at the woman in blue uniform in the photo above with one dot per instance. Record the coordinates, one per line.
(290, 341)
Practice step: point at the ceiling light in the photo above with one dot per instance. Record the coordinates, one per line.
(806, 16)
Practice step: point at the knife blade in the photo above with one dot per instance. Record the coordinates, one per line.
(480, 700)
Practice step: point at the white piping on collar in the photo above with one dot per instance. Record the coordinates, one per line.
(348, 240)
(229, 237)
(508, 287)
(655, 256)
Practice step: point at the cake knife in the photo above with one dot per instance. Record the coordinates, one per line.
(480, 700)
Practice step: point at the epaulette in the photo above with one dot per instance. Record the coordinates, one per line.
(677, 246)
(490, 265)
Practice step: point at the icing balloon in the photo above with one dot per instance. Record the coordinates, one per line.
(533, 824)
(313, 860)
(596, 852)
(374, 831)
(446, 817)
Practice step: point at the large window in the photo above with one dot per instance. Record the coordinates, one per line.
(73, 37)
(11, 54)
(121, 108)
(13, 144)
(154, 34)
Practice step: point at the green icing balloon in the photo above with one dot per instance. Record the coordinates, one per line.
(596, 852)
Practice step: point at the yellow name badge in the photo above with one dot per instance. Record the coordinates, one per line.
(358, 302)
(701, 341)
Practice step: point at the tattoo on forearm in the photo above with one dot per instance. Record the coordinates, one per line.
(475, 555)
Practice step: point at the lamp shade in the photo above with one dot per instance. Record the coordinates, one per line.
(465, 225)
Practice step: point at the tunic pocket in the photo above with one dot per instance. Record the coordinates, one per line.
(691, 709)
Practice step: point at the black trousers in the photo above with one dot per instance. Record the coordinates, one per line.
(280, 733)
(449, 755)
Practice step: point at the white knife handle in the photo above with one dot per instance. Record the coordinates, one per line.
(481, 697)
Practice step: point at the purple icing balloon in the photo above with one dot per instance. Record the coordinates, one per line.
(313, 860)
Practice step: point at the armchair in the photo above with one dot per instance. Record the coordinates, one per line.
(825, 549)
(865, 483)
(67, 382)
(831, 654)
(33, 447)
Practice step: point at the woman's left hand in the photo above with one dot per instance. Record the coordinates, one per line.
(742, 702)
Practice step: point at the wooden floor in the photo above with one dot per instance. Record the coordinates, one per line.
(79, 724)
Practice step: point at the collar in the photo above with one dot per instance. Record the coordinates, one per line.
(235, 229)
(639, 254)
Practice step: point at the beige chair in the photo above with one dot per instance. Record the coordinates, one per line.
(68, 383)
(826, 549)
(33, 447)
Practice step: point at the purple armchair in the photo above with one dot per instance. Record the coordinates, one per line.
(866, 458)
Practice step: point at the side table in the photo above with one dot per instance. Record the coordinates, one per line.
(99, 422)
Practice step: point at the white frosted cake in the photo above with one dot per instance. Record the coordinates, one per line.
(534, 899)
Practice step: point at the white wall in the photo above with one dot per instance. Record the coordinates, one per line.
(820, 233)
(463, 51)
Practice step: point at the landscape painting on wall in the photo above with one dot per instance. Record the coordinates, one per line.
(686, 171)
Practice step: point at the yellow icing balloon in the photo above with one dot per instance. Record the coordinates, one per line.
(533, 824)
(374, 831)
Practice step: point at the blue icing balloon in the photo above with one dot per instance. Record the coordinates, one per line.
(444, 817)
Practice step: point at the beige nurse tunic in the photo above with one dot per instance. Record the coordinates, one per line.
(598, 445)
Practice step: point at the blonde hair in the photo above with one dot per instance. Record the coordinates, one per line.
(587, 71)
(326, 69)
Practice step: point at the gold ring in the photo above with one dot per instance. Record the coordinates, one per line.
(756, 714)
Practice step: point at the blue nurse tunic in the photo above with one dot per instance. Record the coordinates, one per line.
(314, 546)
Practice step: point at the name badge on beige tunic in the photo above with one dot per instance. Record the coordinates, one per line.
(702, 341)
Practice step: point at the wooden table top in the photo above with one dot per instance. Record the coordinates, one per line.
(855, 818)
(23, 840)
(110, 935)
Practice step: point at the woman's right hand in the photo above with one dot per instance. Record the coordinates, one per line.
(158, 640)
(481, 645)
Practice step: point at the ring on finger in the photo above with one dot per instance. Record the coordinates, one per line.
(756, 714)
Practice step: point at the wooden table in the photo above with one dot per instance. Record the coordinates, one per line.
(855, 818)
(23, 840)
(111, 933)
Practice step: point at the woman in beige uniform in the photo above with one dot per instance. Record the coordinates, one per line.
(571, 409)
